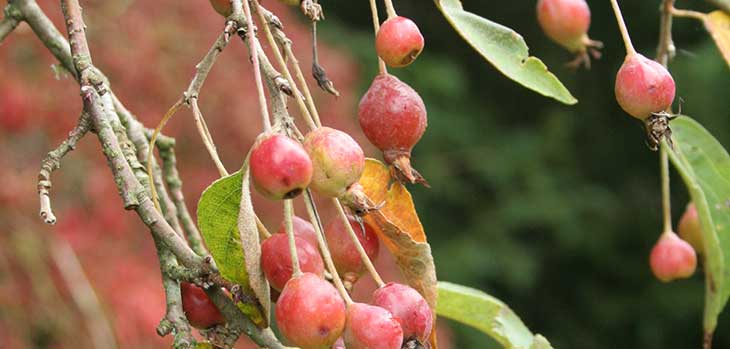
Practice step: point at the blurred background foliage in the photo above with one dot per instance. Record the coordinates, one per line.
(551, 208)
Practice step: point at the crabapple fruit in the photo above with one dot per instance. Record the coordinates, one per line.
(276, 259)
(672, 258)
(399, 42)
(393, 117)
(310, 312)
(280, 167)
(408, 307)
(344, 252)
(302, 229)
(337, 159)
(690, 229)
(199, 309)
(643, 87)
(370, 327)
(223, 7)
(565, 21)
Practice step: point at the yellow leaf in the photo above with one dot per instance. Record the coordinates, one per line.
(718, 24)
(398, 226)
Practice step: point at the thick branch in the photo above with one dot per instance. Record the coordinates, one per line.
(52, 162)
(174, 320)
(10, 21)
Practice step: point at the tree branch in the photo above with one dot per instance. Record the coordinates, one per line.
(52, 162)
(174, 321)
(11, 18)
(666, 49)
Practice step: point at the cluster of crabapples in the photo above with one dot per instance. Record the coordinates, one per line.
(300, 261)
(645, 90)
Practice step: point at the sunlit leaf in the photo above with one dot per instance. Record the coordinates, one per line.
(718, 24)
(399, 228)
(218, 211)
(506, 50)
(723, 4)
(487, 314)
(705, 167)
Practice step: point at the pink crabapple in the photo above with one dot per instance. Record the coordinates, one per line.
(199, 309)
(690, 228)
(672, 258)
(277, 263)
(337, 159)
(408, 307)
(399, 42)
(280, 167)
(344, 252)
(370, 327)
(302, 229)
(566, 22)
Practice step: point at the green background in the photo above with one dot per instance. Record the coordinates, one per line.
(552, 208)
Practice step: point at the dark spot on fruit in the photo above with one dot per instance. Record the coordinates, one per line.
(324, 331)
(294, 193)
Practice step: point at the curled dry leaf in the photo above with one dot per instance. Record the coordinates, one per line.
(399, 228)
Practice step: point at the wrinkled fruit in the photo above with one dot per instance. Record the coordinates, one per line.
(199, 309)
(393, 117)
(672, 258)
(408, 307)
(566, 22)
(276, 259)
(310, 312)
(302, 229)
(337, 159)
(643, 87)
(690, 228)
(344, 252)
(399, 42)
(370, 327)
(280, 167)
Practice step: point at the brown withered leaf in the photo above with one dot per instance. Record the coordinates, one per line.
(398, 226)
(718, 24)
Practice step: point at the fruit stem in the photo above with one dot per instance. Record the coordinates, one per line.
(151, 150)
(376, 26)
(666, 195)
(317, 223)
(263, 232)
(622, 27)
(264, 110)
(288, 212)
(207, 137)
(390, 9)
(361, 250)
(285, 68)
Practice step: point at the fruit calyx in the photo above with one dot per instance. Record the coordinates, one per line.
(403, 172)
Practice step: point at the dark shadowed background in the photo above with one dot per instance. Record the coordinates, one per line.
(551, 208)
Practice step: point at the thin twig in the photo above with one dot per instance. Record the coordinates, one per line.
(376, 28)
(288, 226)
(390, 9)
(250, 32)
(689, 14)
(666, 49)
(151, 151)
(10, 21)
(666, 196)
(622, 27)
(355, 240)
(174, 320)
(52, 162)
(326, 255)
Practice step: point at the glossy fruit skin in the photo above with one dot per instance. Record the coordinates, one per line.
(643, 87)
(343, 250)
(302, 229)
(408, 307)
(198, 308)
(337, 159)
(565, 21)
(310, 312)
(399, 42)
(371, 327)
(672, 258)
(223, 7)
(392, 116)
(276, 259)
(690, 228)
(280, 167)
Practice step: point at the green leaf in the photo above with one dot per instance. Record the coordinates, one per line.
(218, 211)
(705, 168)
(506, 50)
(487, 314)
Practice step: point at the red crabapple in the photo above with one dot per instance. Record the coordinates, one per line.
(310, 312)
(276, 259)
(302, 229)
(643, 87)
(393, 117)
(690, 229)
(223, 7)
(566, 22)
(408, 307)
(199, 309)
(280, 167)
(672, 258)
(370, 327)
(399, 42)
(337, 159)
(344, 253)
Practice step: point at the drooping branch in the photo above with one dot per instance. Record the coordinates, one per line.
(52, 162)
